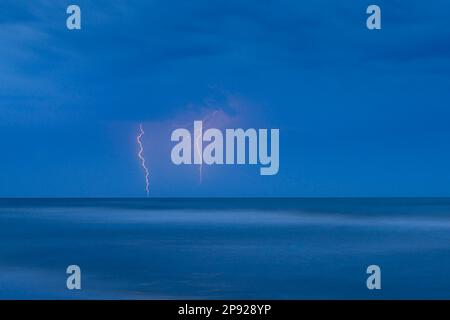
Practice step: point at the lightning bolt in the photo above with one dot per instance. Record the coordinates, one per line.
(199, 152)
(141, 157)
(197, 142)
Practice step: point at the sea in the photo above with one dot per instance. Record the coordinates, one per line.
(225, 248)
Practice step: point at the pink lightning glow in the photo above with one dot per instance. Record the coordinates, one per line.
(141, 157)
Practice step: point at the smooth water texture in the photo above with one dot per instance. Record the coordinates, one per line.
(224, 248)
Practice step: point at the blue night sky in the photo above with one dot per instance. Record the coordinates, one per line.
(360, 112)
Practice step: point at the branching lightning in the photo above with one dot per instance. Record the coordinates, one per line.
(142, 159)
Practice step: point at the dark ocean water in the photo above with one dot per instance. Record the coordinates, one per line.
(224, 248)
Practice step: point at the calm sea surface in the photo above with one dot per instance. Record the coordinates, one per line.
(224, 248)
